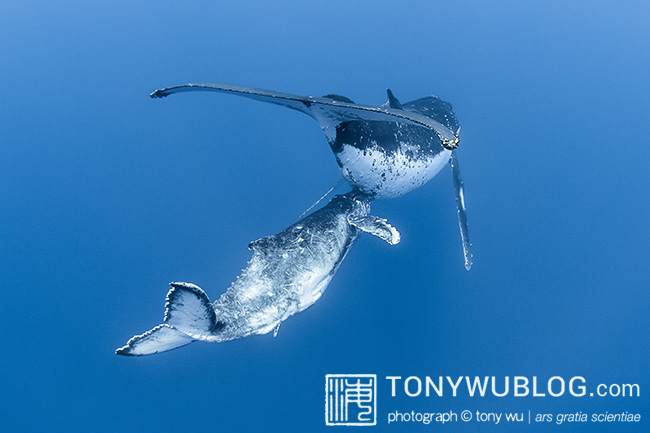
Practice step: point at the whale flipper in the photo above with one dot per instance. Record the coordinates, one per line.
(383, 151)
(376, 226)
(159, 339)
(459, 191)
(189, 310)
(329, 111)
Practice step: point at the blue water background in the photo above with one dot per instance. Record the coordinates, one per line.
(107, 196)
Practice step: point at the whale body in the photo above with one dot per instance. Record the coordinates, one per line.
(382, 151)
(289, 271)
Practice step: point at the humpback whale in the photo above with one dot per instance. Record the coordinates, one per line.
(289, 271)
(382, 151)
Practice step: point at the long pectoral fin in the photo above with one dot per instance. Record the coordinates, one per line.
(459, 190)
(328, 111)
(376, 226)
(295, 102)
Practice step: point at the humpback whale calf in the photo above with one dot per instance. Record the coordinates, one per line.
(288, 272)
(383, 151)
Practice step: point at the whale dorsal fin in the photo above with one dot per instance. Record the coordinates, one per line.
(392, 101)
(376, 226)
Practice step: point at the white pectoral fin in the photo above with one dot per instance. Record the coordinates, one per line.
(376, 226)
(189, 310)
(459, 191)
(160, 339)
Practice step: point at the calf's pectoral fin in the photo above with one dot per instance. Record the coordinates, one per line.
(376, 226)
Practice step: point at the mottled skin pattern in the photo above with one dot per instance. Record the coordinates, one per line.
(386, 160)
(382, 151)
(389, 159)
(289, 270)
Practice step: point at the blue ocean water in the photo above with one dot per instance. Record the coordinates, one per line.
(108, 195)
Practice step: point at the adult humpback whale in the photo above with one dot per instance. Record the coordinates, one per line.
(288, 272)
(383, 151)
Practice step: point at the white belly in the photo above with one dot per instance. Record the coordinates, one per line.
(389, 174)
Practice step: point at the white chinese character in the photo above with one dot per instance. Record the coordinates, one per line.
(350, 399)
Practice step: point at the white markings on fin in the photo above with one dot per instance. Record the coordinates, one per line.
(189, 316)
(160, 339)
(189, 310)
(459, 191)
(376, 226)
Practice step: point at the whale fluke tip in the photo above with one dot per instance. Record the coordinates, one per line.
(160, 93)
(159, 339)
(125, 351)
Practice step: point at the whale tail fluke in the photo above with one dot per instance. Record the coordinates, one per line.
(189, 310)
(189, 316)
(159, 339)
